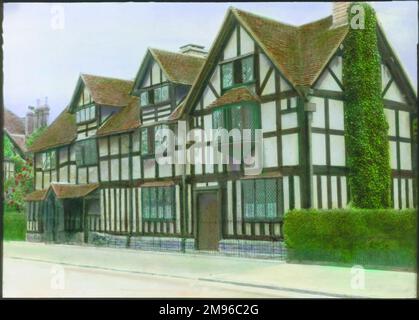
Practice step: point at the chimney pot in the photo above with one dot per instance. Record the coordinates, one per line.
(340, 13)
(193, 50)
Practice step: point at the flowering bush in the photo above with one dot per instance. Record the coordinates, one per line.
(19, 185)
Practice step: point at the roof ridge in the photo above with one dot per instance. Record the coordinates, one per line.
(104, 77)
(178, 53)
(236, 10)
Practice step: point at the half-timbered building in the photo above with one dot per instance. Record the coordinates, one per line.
(96, 164)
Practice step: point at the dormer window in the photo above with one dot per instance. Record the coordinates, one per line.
(86, 110)
(237, 72)
(155, 95)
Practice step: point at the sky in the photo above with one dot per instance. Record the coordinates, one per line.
(47, 46)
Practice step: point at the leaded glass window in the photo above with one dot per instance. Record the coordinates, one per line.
(164, 93)
(144, 141)
(158, 203)
(227, 72)
(48, 160)
(237, 72)
(86, 153)
(260, 200)
(247, 69)
(144, 98)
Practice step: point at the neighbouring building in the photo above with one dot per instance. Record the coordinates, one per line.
(97, 179)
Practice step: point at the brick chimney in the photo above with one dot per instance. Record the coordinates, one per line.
(340, 15)
(29, 121)
(193, 50)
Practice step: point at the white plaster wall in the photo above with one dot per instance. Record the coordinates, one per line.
(319, 149)
(230, 50)
(337, 150)
(246, 43)
(405, 156)
(289, 121)
(268, 112)
(290, 149)
(319, 115)
(336, 114)
(104, 173)
(270, 152)
(391, 120)
(404, 124)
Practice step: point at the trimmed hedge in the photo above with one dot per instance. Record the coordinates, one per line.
(367, 237)
(366, 128)
(14, 225)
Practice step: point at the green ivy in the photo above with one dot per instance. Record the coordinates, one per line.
(8, 147)
(366, 131)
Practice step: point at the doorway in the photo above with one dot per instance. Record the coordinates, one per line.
(208, 212)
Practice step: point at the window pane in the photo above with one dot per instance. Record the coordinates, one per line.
(169, 202)
(271, 198)
(78, 116)
(247, 69)
(227, 72)
(52, 159)
(144, 98)
(157, 95)
(92, 112)
(82, 115)
(236, 118)
(153, 203)
(79, 153)
(90, 152)
(260, 198)
(165, 93)
(217, 119)
(160, 203)
(248, 199)
(146, 202)
(144, 141)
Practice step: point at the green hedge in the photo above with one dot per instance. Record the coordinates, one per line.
(14, 225)
(367, 237)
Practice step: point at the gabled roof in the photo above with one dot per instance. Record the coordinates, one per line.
(105, 91)
(179, 68)
(14, 127)
(125, 120)
(62, 131)
(37, 195)
(63, 191)
(235, 95)
(299, 53)
(67, 191)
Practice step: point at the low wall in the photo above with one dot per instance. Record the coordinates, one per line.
(253, 248)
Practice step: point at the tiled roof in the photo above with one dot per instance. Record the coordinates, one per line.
(66, 191)
(14, 127)
(12, 123)
(62, 131)
(108, 91)
(235, 95)
(37, 195)
(301, 52)
(127, 119)
(179, 68)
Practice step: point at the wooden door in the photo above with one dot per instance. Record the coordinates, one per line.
(208, 221)
(50, 219)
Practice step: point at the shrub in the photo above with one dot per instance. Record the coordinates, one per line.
(382, 237)
(14, 225)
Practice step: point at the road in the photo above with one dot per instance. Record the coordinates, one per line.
(25, 278)
(46, 270)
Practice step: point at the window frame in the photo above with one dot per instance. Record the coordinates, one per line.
(266, 217)
(51, 156)
(80, 146)
(151, 94)
(237, 72)
(160, 195)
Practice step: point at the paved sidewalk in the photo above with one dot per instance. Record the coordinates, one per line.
(297, 280)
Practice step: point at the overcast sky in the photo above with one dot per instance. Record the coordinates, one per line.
(44, 53)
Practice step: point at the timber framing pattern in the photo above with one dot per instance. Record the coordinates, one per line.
(255, 76)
